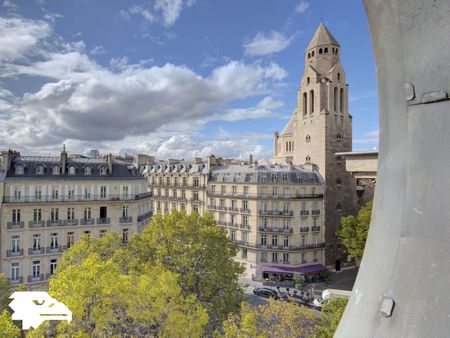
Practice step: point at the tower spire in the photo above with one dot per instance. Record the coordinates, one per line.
(322, 37)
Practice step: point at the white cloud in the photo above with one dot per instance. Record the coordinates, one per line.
(263, 44)
(97, 50)
(145, 13)
(264, 109)
(84, 104)
(301, 7)
(18, 36)
(171, 9)
(370, 138)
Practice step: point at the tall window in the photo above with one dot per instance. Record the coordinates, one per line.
(233, 234)
(38, 193)
(54, 214)
(245, 236)
(71, 192)
(274, 257)
(70, 213)
(335, 99)
(245, 221)
(125, 191)
(244, 205)
(37, 215)
(245, 190)
(264, 256)
(311, 99)
(263, 240)
(196, 181)
(36, 242)
(15, 271)
(54, 239)
(55, 170)
(341, 100)
(124, 235)
(15, 243)
(305, 103)
(87, 213)
(102, 232)
(53, 264)
(286, 242)
(17, 193)
(71, 239)
(286, 258)
(87, 192)
(16, 215)
(274, 240)
(103, 191)
(36, 269)
(55, 192)
(125, 211)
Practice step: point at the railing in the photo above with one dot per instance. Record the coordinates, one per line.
(290, 247)
(36, 224)
(14, 253)
(220, 222)
(70, 222)
(222, 208)
(33, 251)
(275, 213)
(18, 280)
(212, 207)
(54, 223)
(271, 229)
(316, 228)
(245, 227)
(233, 209)
(15, 225)
(304, 229)
(264, 196)
(126, 219)
(232, 225)
(54, 249)
(104, 220)
(144, 217)
(245, 211)
(304, 212)
(76, 198)
(87, 221)
(315, 212)
(35, 278)
(178, 185)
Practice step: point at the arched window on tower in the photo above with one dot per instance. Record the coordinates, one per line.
(286, 146)
(311, 101)
(320, 51)
(338, 181)
(341, 100)
(339, 76)
(308, 138)
(339, 137)
(338, 207)
(335, 99)
(325, 50)
(309, 55)
(312, 53)
(305, 104)
(308, 158)
(308, 80)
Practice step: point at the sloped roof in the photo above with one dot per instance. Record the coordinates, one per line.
(288, 130)
(322, 37)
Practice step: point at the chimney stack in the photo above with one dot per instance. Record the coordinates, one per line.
(109, 159)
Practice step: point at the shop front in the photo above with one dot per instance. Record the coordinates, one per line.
(275, 275)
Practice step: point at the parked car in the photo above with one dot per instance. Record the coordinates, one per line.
(266, 292)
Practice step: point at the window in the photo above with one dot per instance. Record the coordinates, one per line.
(88, 170)
(70, 213)
(308, 80)
(15, 243)
(87, 192)
(245, 221)
(308, 138)
(17, 193)
(71, 192)
(71, 238)
(311, 99)
(54, 239)
(39, 170)
(308, 158)
(263, 240)
(244, 253)
(339, 75)
(341, 100)
(234, 190)
(195, 195)
(36, 269)
(304, 258)
(303, 240)
(174, 193)
(264, 222)
(315, 256)
(264, 257)
(54, 214)
(245, 237)
(309, 55)
(184, 181)
(213, 188)
(338, 207)
(244, 205)
(166, 192)
(175, 181)
(87, 232)
(196, 181)
(275, 191)
(312, 53)
(339, 182)
(72, 170)
(274, 257)
(338, 159)
(102, 233)
(125, 191)
(335, 99)
(166, 206)
(38, 193)
(305, 104)
(55, 192)
(16, 215)
(103, 171)
(245, 190)
(15, 271)
(124, 235)
(125, 211)
(286, 258)
(274, 241)
(53, 264)
(339, 137)
(233, 219)
(55, 170)
(314, 239)
(36, 242)
(233, 234)
(183, 194)
(286, 242)
(37, 215)
(286, 191)
(19, 169)
(87, 213)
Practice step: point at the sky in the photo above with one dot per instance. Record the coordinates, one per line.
(170, 78)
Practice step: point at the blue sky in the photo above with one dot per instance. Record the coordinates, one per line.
(171, 78)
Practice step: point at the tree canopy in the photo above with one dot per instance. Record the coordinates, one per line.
(332, 312)
(353, 231)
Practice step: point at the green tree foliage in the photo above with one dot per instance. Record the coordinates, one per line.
(353, 231)
(272, 320)
(7, 327)
(5, 291)
(332, 312)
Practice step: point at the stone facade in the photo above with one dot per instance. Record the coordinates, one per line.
(320, 127)
(47, 203)
(273, 212)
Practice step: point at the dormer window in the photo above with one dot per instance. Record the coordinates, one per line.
(19, 169)
(72, 170)
(55, 170)
(87, 171)
(102, 171)
(39, 170)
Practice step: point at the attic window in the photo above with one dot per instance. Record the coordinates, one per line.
(72, 170)
(55, 170)
(87, 171)
(19, 169)
(103, 171)
(39, 170)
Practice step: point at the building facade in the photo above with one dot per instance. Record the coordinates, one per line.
(48, 203)
(273, 212)
(320, 127)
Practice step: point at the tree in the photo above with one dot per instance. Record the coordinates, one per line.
(275, 319)
(332, 312)
(7, 327)
(5, 292)
(200, 253)
(353, 231)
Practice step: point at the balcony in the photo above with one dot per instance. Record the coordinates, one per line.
(36, 224)
(124, 220)
(87, 221)
(103, 220)
(312, 246)
(212, 207)
(143, 195)
(245, 227)
(35, 278)
(54, 249)
(15, 281)
(315, 229)
(245, 211)
(274, 229)
(222, 208)
(35, 251)
(304, 212)
(230, 209)
(14, 253)
(54, 223)
(15, 225)
(304, 229)
(144, 217)
(71, 222)
(220, 222)
(232, 225)
(315, 212)
(276, 213)
(76, 198)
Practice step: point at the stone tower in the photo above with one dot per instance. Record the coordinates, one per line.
(320, 127)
